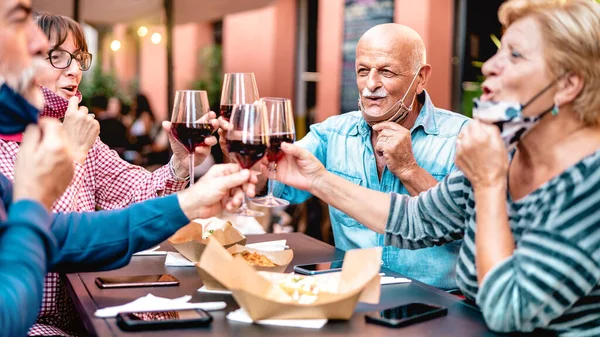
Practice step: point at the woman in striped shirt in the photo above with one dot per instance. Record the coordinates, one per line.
(528, 213)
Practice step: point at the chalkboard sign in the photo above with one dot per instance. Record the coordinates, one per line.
(359, 16)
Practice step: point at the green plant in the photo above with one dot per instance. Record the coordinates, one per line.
(104, 83)
(211, 69)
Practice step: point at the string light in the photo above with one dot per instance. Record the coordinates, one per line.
(142, 31)
(156, 38)
(115, 45)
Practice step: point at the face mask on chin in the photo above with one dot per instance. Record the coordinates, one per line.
(397, 113)
(15, 112)
(55, 105)
(508, 116)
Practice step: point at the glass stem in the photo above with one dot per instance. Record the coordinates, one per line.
(191, 165)
(244, 206)
(272, 171)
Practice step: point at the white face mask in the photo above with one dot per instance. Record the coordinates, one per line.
(508, 116)
(397, 113)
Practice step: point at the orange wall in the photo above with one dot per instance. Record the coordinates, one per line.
(188, 40)
(153, 72)
(329, 58)
(433, 20)
(263, 41)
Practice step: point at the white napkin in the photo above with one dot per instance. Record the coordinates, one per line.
(174, 259)
(154, 303)
(208, 291)
(151, 251)
(271, 246)
(393, 280)
(240, 315)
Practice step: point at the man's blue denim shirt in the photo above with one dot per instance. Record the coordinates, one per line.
(343, 144)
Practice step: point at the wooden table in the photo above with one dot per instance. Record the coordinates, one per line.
(462, 320)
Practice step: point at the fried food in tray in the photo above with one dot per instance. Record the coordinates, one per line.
(255, 259)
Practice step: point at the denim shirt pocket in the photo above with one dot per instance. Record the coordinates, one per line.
(338, 216)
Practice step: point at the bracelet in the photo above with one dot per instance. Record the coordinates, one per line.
(174, 174)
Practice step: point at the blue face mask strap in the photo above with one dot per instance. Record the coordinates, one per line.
(550, 85)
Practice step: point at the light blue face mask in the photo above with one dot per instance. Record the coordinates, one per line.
(508, 116)
(15, 112)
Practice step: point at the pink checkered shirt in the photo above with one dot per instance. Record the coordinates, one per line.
(104, 181)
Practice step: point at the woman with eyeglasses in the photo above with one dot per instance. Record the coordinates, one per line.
(102, 180)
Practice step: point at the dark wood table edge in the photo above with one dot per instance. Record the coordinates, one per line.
(74, 284)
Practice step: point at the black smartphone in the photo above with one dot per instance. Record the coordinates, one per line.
(319, 268)
(155, 320)
(160, 280)
(406, 315)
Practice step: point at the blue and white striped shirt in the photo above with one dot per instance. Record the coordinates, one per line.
(552, 279)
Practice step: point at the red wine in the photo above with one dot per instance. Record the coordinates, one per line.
(226, 110)
(246, 154)
(191, 135)
(275, 153)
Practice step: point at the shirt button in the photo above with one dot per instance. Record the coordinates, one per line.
(382, 262)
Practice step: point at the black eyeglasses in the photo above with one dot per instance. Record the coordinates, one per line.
(61, 59)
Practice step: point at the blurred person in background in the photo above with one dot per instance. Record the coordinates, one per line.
(113, 132)
(102, 180)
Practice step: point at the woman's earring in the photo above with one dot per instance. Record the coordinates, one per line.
(555, 109)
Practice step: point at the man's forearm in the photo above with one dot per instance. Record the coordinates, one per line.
(417, 180)
(369, 207)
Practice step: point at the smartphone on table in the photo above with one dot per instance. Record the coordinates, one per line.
(319, 268)
(405, 315)
(159, 280)
(156, 320)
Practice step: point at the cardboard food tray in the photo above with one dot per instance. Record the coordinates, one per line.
(281, 258)
(188, 240)
(262, 298)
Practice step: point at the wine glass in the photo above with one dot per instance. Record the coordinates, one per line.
(281, 129)
(190, 123)
(247, 142)
(238, 88)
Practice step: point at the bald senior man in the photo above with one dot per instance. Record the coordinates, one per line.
(397, 142)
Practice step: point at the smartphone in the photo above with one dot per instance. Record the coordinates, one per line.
(160, 280)
(405, 315)
(319, 268)
(155, 320)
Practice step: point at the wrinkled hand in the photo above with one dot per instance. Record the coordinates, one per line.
(481, 155)
(221, 187)
(298, 167)
(82, 129)
(44, 165)
(181, 154)
(395, 143)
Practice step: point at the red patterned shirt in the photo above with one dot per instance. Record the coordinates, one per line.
(104, 181)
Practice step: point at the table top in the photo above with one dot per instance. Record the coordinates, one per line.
(462, 320)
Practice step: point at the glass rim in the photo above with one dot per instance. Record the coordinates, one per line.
(191, 90)
(275, 99)
(239, 74)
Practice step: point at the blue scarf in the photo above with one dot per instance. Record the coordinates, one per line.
(15, 112)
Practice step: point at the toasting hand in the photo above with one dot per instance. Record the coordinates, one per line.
(220, 188)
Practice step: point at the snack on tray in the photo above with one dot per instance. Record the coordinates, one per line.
(207, 233)
(305, 289)
(256, 260)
